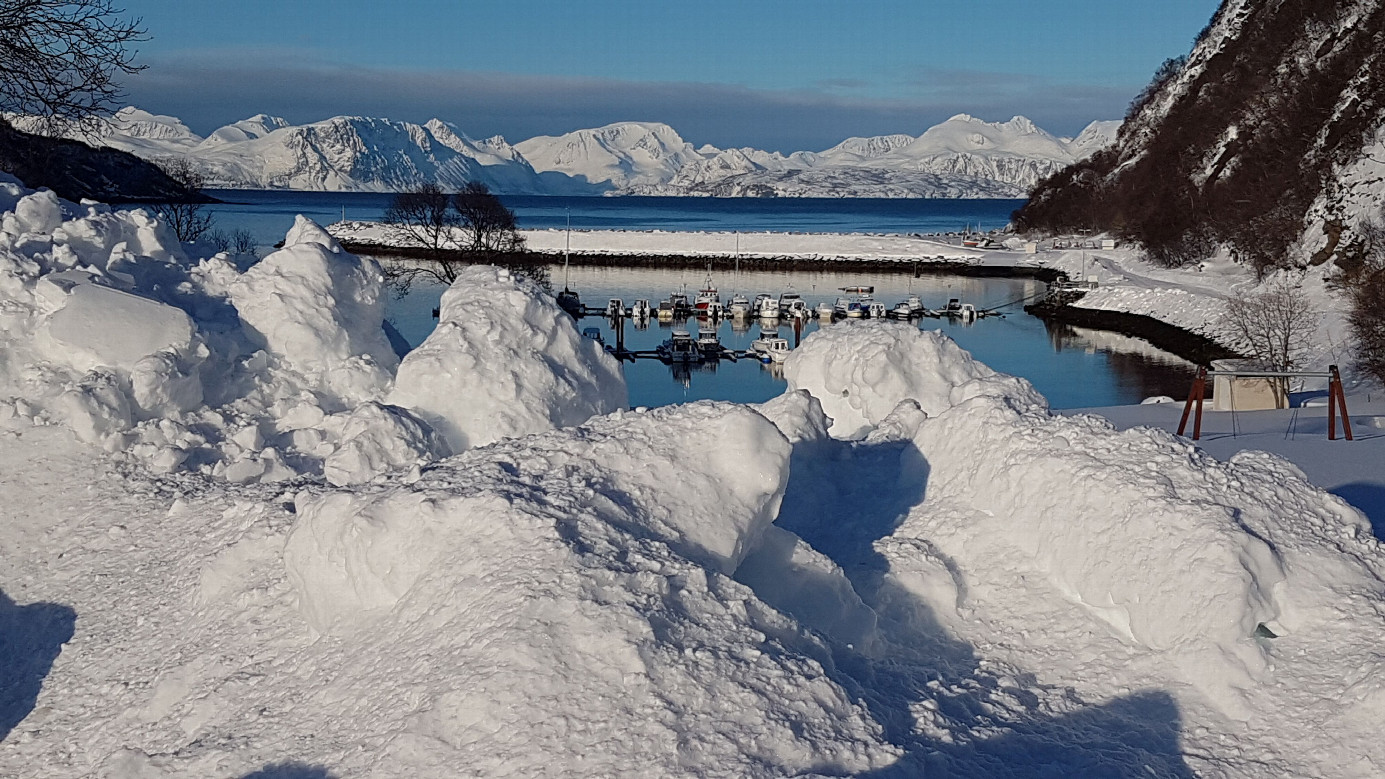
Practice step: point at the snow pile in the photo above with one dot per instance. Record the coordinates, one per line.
(319, 311)
(860, 371)
(275, 373)
(505, 361)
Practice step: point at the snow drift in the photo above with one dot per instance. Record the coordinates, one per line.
(505, 361)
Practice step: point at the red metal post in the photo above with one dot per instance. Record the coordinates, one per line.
(1188, 404)
(1341, 401)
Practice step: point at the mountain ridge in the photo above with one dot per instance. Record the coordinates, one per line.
(962, 157)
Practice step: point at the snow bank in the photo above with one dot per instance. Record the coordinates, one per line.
(505, 361)
(859, 372)
(557, 583)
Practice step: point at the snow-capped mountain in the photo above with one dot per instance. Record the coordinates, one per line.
(962, 157)
(621, 156)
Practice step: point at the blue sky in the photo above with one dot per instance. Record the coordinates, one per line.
(772, 74)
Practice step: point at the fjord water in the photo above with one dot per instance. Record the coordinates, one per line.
(1073, 368)
(269, 214)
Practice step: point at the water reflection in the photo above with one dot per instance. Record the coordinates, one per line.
(1073, 367)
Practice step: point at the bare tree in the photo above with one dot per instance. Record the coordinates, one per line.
(468, 227)
(423, 216)
(59, 59)
(189, 219)
(1273, 327)
(488, 227)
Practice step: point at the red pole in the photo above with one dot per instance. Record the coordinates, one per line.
(1188, 404)
(1342, 402)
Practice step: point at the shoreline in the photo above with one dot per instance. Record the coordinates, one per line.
(673, 261)
(1195, 348)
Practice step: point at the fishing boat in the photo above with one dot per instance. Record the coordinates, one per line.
(679, 348)
(640, 309)
(706, 296)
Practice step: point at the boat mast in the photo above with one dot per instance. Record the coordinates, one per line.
(567, 249)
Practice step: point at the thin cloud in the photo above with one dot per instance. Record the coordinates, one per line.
(208, 90)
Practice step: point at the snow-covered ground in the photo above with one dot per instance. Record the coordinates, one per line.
(243, 538)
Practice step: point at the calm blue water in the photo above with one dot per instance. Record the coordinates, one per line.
(269, 214)
(1074, 368)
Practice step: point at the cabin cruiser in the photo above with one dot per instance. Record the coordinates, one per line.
(769, 308)
(740, 306)
(680, 348)
(901, 311)
(769, 349)
(707, 342)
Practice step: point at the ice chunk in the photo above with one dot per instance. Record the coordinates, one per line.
(505, 361)
(104, 326)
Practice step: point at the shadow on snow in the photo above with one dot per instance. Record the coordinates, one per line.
(30, 639)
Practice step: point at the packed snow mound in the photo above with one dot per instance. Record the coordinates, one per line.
(319, 311)
(860, 371)
(566, 590)
(505, 361)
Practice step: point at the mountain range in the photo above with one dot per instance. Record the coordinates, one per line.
(963, 157)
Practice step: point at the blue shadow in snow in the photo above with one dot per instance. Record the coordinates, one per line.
(1369, 499)
(291, 771)
(30, 639)
(1136, 736)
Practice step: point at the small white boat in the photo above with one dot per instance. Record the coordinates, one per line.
(968, 312)
(640, 309)
(826, 310)
(901, 311)
(772, 350)
(796, 308)
(740, 306)
(680, 303)
(769, 308)
(714, 309)
(839, 309)
(666, 311)
(875, 310)
(915, 304)
(855, 309)
(615, 307)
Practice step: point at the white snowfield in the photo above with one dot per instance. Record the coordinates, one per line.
(249, 544)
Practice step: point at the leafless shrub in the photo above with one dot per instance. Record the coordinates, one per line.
(1272, 327)
(189, 219)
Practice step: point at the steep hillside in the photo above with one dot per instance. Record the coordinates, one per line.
(76, 171)
(1267, 139)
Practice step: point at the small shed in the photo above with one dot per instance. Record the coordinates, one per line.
(1246, 393)
(1108, 244)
